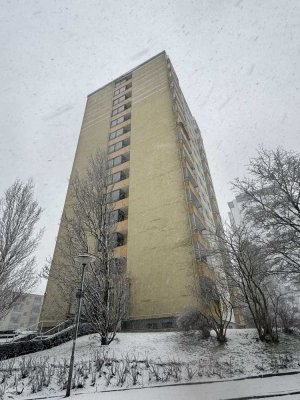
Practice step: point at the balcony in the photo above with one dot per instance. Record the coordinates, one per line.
(119, 132)
(116, 216)
(186, 141)
(123, 185)
(121, 89)
(122, 203)
(121, 110)
(124, 79)
(119, 151)
(114, 162)
(198, 214)
(200, 253)
(186, 156)
(120, 251)
(124, 136)
(200, 238)
(117, 239)
(122, 226)
(197, 223)
(191, 197)
(121, 99)
(120, 167)
(188, 175)
(118, 176)
(116, 195)
(119, 120)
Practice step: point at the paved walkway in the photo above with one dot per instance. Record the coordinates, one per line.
(286, 387)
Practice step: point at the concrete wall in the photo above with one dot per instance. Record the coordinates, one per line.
(93, 136)
(160, 255)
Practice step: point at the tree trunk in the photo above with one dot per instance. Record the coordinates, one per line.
(103, 340)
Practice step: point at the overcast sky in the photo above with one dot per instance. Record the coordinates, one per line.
(237, 62)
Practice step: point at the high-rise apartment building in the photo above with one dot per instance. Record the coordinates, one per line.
(236, 212)
(162, 189)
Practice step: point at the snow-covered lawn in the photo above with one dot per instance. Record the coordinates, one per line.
(146, 359)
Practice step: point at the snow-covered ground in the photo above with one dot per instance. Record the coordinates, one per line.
(147, 359)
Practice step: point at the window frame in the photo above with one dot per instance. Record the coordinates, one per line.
(119, 99)
(119, 132)
(121, 195)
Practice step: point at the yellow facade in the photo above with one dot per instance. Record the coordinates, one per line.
(168, 193)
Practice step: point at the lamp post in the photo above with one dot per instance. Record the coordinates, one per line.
(82, 259)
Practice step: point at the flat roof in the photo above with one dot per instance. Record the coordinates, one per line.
(128, 72)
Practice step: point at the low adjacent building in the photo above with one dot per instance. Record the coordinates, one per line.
(24, 314)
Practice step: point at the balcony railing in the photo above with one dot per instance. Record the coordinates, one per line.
(189, 176)
(193, 199)
(196, 223)
(200, 253)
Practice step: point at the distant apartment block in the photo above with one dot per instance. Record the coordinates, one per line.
(24, 314)
(235, 213)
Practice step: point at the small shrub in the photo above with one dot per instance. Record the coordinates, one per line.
(193, 320)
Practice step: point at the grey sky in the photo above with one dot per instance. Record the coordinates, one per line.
(237, 63)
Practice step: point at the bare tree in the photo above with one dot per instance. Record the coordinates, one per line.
(249, 275)
(272, 205)
(214, 312)
(105, 299)
(89, 223)
(19, 214)
(216, 304)
(288, 313)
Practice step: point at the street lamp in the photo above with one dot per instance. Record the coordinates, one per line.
(83, 260)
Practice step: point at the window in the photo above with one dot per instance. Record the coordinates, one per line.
(117, 239)
(116, 216)
(115, 147)
(118, 110)
(196, 223)
(116, 133)
(122, 80)
(114, 162)
(120, 119)
(117, 121)
(119, 99)
(119, 132)
(116, 195)
(119, 145)
(121, 109)
(193, 199)
(118, 160)
(121, 90)
(117, 177)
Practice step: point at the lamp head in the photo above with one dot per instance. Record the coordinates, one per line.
(84, 258)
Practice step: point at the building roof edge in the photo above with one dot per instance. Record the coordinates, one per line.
(157, 55)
